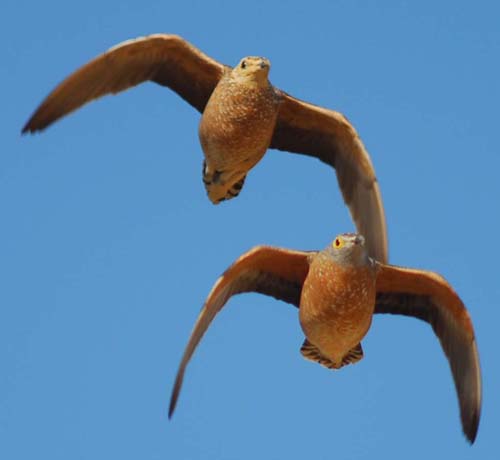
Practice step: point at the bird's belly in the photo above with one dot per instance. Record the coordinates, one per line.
(224, 156)
(233, 146)
(236, 127)
(336, 315)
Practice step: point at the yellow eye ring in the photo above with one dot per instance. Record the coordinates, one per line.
(338, 243)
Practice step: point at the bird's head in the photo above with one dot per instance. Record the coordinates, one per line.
(253, 68)
(348, 249)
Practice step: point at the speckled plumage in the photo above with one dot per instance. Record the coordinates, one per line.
(243, 115)
(337, 291)
(336, 316)
(237, 126)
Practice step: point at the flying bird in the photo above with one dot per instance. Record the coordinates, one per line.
(243, 115)
(337, 291)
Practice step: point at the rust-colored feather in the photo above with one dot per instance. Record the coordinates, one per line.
(276, 272)
(429, 297)
(164, 59)
(311, 130)
(243, 119)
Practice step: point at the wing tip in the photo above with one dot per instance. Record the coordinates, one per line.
(32, 127)
(27, 129)
(470, 425)
(471, 429)
(175, 394)
(171, 409)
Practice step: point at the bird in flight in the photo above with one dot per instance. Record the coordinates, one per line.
(337, 291)
(243, 115)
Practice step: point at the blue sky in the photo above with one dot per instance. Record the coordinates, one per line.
(109, 245)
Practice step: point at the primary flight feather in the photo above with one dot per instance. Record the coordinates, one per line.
(337, 291)
(243, 115)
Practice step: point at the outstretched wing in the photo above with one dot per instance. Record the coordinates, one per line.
(328, 135)
(428, 296)
(165, 59)
(276, 272)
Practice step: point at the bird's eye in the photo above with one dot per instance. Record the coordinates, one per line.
(338, 243)
(243, 64)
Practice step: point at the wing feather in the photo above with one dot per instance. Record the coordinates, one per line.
(311, 130)
(429, 297)
(167, 60)
(276, 272)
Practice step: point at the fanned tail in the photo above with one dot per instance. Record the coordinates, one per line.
(310, 352)
(217, 189)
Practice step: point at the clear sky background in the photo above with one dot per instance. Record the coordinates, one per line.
(109, 245)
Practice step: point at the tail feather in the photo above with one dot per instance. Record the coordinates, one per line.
(312, 353)
(219, 190)
(353, 355)
(235, 189)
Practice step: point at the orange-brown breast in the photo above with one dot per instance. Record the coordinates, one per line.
(237, 124)
(336, 306)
